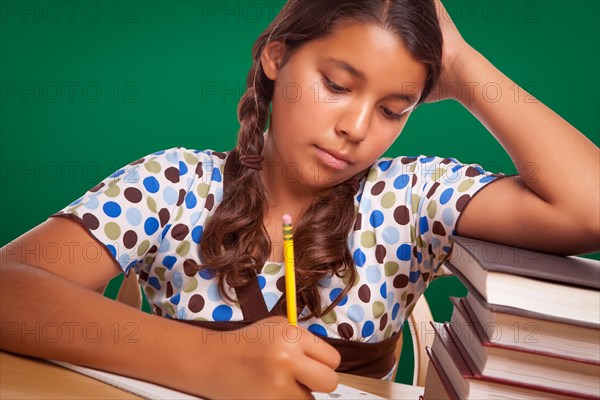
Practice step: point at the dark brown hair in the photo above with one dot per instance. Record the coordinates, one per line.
(235, 241)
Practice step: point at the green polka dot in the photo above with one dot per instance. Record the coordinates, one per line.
(190, 286)
(113, 190)
(183, 248)
(388, 332)
(420, 242)
(437, 174)
(143, 248)
(378, 309)
(160, 272)
(403, 295)
(112, 230)
(272, 269)
(415, 203)
(75, 207)
(151, 204)
(149, 292)
(152, 166)
(202, 190)
(410, 308)
(412, 233)
(200, 319)
(75, 213)
(179, 214)
(190, 158)
(367, 239)
(391, 268)
(149, 260)
(432, 208)
(466, 185)
(330, 317)
(411, 168)
(168, 308)
(372, 175)
(346, 279)
(388, 200)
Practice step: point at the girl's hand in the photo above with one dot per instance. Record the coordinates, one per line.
(275, 360)
(455, 48)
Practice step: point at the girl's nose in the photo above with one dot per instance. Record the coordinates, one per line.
(354, 122)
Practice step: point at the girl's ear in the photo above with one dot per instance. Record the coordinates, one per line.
(272, 57)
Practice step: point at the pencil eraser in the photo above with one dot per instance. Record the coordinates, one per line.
(287, 219)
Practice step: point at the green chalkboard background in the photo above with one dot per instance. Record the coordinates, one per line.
(88, 86)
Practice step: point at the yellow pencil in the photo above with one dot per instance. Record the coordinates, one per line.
(290, 277)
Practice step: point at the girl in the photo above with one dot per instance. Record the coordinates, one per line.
(202, 229)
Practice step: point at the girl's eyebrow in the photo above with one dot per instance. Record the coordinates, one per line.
(361, 76)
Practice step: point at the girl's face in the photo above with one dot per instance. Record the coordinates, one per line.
(339, 103)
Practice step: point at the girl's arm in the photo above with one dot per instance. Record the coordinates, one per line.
(554, 203)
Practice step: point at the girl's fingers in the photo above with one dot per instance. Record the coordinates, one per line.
(320, 351)
(316, 376)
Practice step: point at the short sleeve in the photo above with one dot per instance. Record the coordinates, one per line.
(127, 211)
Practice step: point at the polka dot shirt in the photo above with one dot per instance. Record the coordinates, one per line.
(150, 214)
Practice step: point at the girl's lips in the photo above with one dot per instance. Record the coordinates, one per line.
(330, 160)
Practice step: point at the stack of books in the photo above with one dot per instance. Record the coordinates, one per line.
(528, 328)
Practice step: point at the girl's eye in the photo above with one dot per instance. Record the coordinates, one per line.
(333, 87)
(391, 115)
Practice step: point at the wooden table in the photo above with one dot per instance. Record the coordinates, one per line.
(33, 378)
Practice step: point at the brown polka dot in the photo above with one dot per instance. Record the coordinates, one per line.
(402, 215)
(408, 160)
(169, 289)
(133, 195)
(210, 202)
(97, 187)
(438, 228)
(426, 276)
(383, 322)
(129, 239)
(358, 222)
(378, 188)
(163, 215)
(143, 276)
(433, 189)
(90, 221)
(445, 161)
(414, 180)
(400, 281)
(153, 249)
(190, 267)
(364, 293)
(280, 284)
(158, 311)
(199, 169)
(409, 299)
(196, 303)
(179, 231)
(181, 197)
(415, 251)
(462, 202)
(136, 162)
(471, 172)
(219, 154)
(345, 330)
(172, 174)
(380, 253)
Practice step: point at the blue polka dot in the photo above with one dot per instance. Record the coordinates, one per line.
(376, 218)
(404, 252)
(197, 234)
(419, 257)
(373, 273)
(117, 174)
(456, 167)
(150, 226)
(222, 313)
(395, 310)
(134, 216)
(317, 330)
(170, 195)
(335, 293)
(164, 246)
(426, 159)
(393, 171)
(448, 216)
(218, 195)
(169, 261)
(194, 218)
(423, 225)
(154, 282)
(359, 257)
(181, 314)
(124, 259)
(401, 181)
(183, 169)
(175, 299)
(487, 179)
(325, 282)
(356, 313)
(213, 292)
(216, 175)
(177, 279)
(165, 230)
(151, 184)
(365, 205)
(384, 165)
(390, 299)
(172, 156)
(159, 152)
(112, 209)
(383, 290)
(446, 195)
(435, 243)
(92, 203)
(131, 265)
(190, 200)
(206, 274)
(390, 235)
(261, 281)
(479, 169)
(112, 249)
(359, 198)
(414, 276)
(368, 329)
(270, 300)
